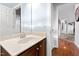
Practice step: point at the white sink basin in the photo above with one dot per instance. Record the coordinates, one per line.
(28, 38)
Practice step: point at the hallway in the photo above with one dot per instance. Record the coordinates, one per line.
(66, 48)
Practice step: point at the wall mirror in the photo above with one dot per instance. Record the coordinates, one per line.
(77, 14)
(21, 18)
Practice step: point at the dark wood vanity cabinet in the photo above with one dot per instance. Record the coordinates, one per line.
(42, 48)
(0, 50)
(38, 49)
(28, 52)
(4, 52)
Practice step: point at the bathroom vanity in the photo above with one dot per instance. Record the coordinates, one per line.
(31, 45)
(38, 49)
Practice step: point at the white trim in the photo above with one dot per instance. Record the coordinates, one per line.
(48, 32)
(76, 44)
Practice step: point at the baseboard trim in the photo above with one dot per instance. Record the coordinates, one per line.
(76, 44)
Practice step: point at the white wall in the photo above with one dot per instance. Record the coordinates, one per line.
(53, 34)
(76, 29)
(70, 29)
(66, 12)
(77, 33)
(54, 26)
(26, 17)
(6, 20)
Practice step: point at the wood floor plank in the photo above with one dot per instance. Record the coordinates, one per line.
(65, 48)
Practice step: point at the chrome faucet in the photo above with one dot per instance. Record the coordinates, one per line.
(22, 35)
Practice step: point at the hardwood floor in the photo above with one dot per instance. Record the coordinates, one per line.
(66, 48)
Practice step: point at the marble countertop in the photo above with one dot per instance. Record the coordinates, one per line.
(16, 45)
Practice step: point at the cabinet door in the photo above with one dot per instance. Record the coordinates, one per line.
(42, 48)
(30, 52)
(4, 52)
(0, 50)
(38, 49)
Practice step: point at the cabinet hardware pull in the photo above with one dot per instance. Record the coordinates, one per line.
(37, 48)
(40, 45)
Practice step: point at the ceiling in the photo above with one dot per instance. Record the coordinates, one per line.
(11, 5)
(59, 4)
